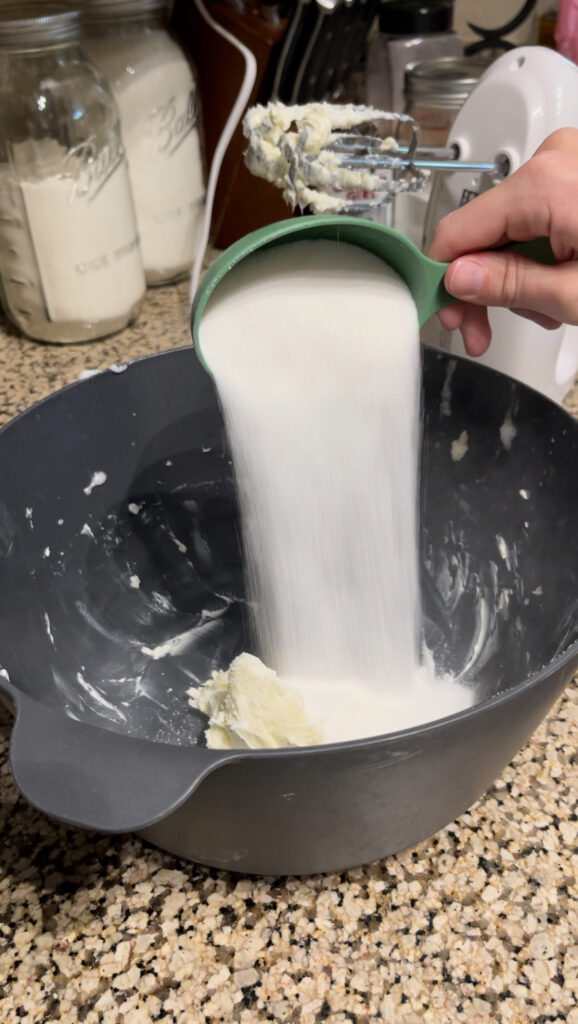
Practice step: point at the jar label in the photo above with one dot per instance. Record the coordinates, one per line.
(85, 240)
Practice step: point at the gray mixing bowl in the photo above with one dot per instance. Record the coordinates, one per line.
(121, 585)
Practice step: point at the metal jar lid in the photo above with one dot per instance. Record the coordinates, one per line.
(445, 80)
(98, 10)
(37, 24)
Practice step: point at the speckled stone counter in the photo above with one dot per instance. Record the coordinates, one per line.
(479, 923)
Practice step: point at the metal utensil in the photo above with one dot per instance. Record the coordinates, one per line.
(329, 151)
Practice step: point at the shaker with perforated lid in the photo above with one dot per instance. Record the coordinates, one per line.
(155, 87)
(70, 263)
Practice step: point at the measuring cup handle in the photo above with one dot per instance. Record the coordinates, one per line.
(537, 249)
(432, 294)
(435, 294)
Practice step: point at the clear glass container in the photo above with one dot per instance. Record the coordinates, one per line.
(434, 93)
(435, 90)
(70, 264)
(155, 88)
(406, 31)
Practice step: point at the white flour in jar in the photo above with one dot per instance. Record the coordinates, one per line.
(69, 239)
(158, 103)
(315, 350)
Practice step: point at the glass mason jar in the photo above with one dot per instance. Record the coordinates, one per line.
(70, 264)
(434, 92)
(405, 32)
(155, 88)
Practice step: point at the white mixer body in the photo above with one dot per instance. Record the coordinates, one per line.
(522, 97)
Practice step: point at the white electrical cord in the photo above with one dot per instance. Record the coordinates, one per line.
(231, 123)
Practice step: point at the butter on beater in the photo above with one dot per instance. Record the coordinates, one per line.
(249, 706)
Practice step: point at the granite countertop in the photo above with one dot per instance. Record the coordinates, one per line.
(479, 923)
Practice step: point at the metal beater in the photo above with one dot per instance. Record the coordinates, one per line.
(330, 158)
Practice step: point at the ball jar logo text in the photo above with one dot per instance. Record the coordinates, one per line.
(170, 123)
(92, 166)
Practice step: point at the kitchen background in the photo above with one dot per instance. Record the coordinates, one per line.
(477, 924)
(176, 97)
(154, 155)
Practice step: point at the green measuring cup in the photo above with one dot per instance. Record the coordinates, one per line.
(423, 276)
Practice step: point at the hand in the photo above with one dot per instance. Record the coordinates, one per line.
(540, 199)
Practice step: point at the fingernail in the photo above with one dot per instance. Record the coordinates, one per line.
(466, 278)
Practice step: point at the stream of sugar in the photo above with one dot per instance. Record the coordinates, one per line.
(314, 346)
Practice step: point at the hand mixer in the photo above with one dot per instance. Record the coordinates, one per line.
(332, 160)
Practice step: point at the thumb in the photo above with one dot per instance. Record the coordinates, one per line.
(507, 279)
